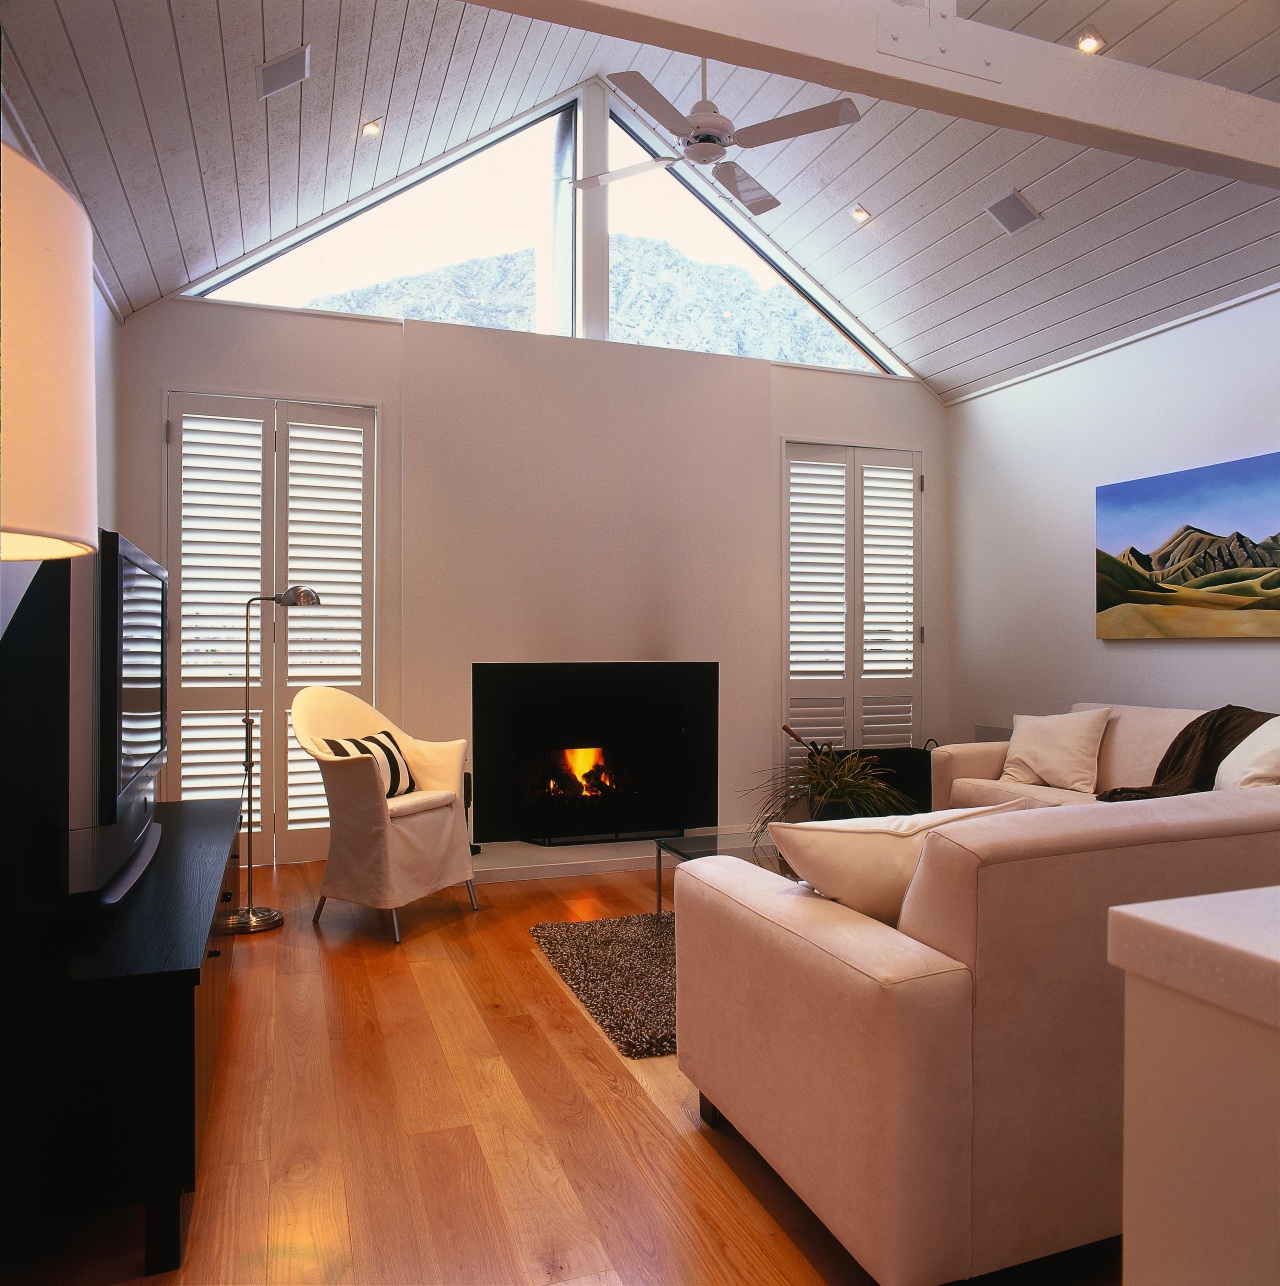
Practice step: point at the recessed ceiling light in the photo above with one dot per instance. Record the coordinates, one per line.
(859, 215)
(1089, 41)
(372, 129)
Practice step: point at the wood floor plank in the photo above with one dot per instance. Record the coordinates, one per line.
(474, 1245)
(390, 1238)
(239, 1123)
(617, 1201)
(308, 1236)
(427, 1099)
(553, 1239)
(228, 1239)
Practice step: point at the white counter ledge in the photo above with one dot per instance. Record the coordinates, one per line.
(1223, 948)
(1201, 1088)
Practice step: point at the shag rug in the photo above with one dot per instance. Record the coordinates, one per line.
(624, 972)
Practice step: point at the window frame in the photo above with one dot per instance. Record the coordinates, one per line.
(592, 97)
(569, 104)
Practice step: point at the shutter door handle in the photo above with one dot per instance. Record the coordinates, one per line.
(214, 953)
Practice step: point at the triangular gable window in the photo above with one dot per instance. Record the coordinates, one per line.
(486, 242)
(681, 277)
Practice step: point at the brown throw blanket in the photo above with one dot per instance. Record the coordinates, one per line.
(1191, 762)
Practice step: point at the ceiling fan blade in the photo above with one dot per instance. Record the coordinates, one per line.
(645, 97)
(599, 180)
(842, 112)
(745, 188)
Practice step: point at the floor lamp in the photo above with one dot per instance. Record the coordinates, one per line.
(250, 918)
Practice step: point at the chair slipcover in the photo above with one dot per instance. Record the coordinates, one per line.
(385, 853)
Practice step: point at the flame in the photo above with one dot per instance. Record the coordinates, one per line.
(583, 762)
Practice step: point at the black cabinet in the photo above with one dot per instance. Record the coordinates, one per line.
(111, 1026)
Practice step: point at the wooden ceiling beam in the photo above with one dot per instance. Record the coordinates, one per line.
(929, 58)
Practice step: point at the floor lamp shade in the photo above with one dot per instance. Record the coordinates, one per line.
(48, 436)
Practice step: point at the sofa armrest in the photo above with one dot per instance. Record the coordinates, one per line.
(983, 759)
(840, 1048)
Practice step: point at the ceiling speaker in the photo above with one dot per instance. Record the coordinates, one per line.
(289, 69)
(1012, 212)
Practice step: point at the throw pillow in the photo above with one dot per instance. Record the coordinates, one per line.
(1254, 762)
(866, 863)
(1056, 749)
(383, 750)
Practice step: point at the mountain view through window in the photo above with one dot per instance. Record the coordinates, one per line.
(680, 277)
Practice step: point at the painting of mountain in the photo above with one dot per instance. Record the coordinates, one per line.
(1163, 569)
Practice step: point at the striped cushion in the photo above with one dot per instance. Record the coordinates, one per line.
(382, 749)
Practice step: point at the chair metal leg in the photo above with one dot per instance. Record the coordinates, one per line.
(395, 924)
(315, 919)
(471, 891)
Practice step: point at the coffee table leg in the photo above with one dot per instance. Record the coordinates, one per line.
(657, 850)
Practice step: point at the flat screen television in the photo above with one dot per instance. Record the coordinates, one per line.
(132, 616)
(82, 663)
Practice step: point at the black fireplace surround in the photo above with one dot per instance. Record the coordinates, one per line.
(578, 751)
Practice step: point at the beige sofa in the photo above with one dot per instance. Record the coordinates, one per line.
(946, 1095)
(966, 775)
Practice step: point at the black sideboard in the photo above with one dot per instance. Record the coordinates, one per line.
(111, 1024)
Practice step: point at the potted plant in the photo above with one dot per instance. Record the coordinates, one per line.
(832, 783)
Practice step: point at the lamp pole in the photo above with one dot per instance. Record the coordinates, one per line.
(250, 918)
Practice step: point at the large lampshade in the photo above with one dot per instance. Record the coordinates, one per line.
(48, 439)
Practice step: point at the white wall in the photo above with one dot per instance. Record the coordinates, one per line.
(106, 333)
(1025, 463)
(562, 499)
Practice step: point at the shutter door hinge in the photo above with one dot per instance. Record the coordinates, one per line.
(922, 634)
(168, 431)
(922, 482)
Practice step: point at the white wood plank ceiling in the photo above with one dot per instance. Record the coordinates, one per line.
(149, 110)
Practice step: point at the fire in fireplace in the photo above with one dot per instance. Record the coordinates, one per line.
(577, 752)
(580, 771)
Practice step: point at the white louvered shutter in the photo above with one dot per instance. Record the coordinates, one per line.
(817, 641)
(326, 455)
(221, 518)
(264, 494)
(888, 687)
(852, 640)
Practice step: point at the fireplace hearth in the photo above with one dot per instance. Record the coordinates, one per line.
(581, 752)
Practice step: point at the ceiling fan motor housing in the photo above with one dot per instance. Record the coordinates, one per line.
(711, 134)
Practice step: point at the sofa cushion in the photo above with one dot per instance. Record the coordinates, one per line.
(1056, 749)
(1254, 762)
(866, 863)
(977, 792)
(1135, 741)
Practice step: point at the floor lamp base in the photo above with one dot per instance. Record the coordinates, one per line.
(253, 919)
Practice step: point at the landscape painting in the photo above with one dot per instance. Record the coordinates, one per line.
(1191, 555)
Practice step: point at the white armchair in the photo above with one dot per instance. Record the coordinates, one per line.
(385, 852)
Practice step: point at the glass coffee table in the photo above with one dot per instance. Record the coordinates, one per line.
(684, 847)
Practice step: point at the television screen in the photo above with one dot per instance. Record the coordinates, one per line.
(141, 669)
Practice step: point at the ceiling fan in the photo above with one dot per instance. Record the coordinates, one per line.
(704, 135)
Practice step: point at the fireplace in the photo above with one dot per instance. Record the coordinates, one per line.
(582, 751)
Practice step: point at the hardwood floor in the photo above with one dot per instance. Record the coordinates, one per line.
(445, 1112)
